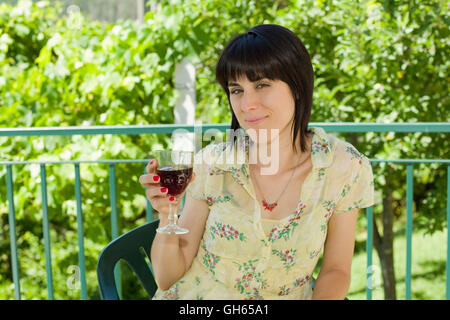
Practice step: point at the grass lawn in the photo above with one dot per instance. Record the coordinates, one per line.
(428, 268)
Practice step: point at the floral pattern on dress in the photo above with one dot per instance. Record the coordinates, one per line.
(287, 257)
(216, 171)
(345, 190)
(301, 281)
(226, 231)
(237, 174)
(210, 260)
(356, 205)
(355, 154)
(314, 254)
(174, 292)
(321, 174)
(210, 199)
(250, 276)
(321, 145)
(277, 233)
(220, 147)
(244, 170)
(285, 290)
(243, 140)
(330, 206)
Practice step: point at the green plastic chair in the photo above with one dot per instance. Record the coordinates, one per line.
(127, 247)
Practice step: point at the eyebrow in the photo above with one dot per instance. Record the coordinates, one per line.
(235, 84)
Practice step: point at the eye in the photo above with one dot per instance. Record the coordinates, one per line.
(235, 91)
(262, 85)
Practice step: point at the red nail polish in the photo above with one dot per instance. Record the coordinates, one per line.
(163, 190)
(156, 178)
(171, 198)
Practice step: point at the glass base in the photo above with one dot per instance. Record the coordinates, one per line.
(172, 229)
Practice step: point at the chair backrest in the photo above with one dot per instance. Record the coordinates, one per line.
(127, 247)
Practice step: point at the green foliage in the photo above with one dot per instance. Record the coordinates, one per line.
(375, 61)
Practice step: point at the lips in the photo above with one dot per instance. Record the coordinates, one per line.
(255, 120)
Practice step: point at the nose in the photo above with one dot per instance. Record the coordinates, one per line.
(249, 101)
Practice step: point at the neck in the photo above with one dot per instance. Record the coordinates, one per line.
(277, 155)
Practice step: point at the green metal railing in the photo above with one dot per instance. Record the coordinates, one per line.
(167, 129)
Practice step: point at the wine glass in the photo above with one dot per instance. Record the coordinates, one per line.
(175, 172)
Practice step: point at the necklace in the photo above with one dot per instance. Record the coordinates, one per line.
(271, 206)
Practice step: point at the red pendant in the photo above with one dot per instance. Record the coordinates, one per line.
(269, 206)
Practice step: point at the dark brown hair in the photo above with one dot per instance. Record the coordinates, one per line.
(273, 52)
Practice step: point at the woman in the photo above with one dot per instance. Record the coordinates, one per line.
(255, 235)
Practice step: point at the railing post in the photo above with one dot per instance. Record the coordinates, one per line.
(149, 212)
(149, 209)
(12, 233)
(369, 243)
(409, 208)
(114, 220)
(447, 272)
(80, 231)
(46, 231)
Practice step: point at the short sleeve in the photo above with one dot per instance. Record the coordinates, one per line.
(196, 188)
(358, 191)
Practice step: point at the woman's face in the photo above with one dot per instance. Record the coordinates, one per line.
(263, 104)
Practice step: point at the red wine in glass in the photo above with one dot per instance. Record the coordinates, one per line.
(175, 172)
(175, 178)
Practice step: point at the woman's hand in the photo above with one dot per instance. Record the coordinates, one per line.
(156, 194)
(173, 254)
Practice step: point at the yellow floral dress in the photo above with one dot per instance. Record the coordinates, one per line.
(242, 256)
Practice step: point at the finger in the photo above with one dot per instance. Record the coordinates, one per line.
(151, 166)
(155, 192)
(147, 179)
(161, 203)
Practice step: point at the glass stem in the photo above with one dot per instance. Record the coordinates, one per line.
(173, 215)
